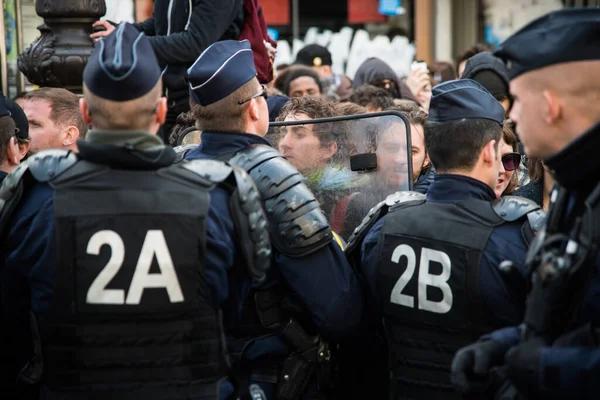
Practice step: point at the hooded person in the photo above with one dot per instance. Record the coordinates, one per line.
(378, 73)
(490, 72)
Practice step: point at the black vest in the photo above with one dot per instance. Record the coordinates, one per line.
(428, 286)
(131, 316)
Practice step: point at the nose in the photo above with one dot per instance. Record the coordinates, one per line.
(284, 143)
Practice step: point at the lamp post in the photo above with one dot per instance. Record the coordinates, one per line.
(58, 56)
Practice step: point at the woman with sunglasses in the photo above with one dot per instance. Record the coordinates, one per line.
(507, 179)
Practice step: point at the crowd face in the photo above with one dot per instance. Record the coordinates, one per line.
(392, 166)
(419, 155)
(504, 176)
(302, 147)
(43, 132)
(304, 86)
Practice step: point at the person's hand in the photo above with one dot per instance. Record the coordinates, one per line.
(108, 28)
(272, 51)
(417, 80)
(424, 97)
(472, 365)
(523, 362)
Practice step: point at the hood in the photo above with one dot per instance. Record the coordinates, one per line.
(374, 69)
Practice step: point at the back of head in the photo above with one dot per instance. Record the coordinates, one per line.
(372, 97)
(224, 90)
(7, 132)
(372, 71)
(463, 119)
(64, 107)
(441, 71)
(122, 86)
(470, 52)
(490, 72)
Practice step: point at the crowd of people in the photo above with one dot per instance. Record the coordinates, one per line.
(309, 237)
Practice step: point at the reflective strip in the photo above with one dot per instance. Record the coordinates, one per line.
(339, 240)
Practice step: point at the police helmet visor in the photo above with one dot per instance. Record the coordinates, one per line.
(350, 163)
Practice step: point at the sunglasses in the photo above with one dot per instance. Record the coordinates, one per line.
(262, 93)
(511, 161)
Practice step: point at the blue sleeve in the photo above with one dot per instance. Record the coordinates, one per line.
(28, 273)
(507, 336)
(328, 287)
(368, 254)
(570, 372)
(504, 293)
(220, 245)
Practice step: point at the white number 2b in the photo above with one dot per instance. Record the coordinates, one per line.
(425, 279)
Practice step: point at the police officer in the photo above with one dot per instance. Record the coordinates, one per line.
(115, 268)
(432, 263)
(311, 292)
(553, 65)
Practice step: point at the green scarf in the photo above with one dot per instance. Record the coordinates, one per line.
(140, 140)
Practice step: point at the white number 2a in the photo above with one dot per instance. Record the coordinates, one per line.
(154, 245)
(425, 279)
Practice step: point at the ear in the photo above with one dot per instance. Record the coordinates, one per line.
(23, 148)
(71, 136)
(426, 161)
(330, 149)
(13, 154)
(253, 110)
(161, 111)
(552, 107)
(489, 153)
(85, 112)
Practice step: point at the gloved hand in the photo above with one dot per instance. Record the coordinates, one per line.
(472, 365)
(524, 363)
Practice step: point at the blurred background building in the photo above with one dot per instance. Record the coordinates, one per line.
(396, 30)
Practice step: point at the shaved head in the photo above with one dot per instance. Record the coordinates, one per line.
(554, 105)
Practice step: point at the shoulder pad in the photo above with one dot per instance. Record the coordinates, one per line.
(250, 220)
(512, 208)
(296, 222)
(181, 152)
(537, 220)
(272, 173)
(10, 183)
(254, 155)
(376, 213)
(48, 164)
(212, 170)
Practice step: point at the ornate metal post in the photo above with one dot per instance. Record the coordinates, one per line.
(58, 56)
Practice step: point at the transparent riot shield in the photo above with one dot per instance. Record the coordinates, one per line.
(350, 163)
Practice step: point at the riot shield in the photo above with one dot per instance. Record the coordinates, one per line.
(350, 163)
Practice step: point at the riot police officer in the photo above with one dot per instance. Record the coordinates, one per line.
(311, 293)
(553, 65)
(432, 262)
(115, 267)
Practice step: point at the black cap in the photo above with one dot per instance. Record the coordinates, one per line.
(18, 115)
(562, 36)
(4, 111)
(463, 98)
(313, 55)
(220, 70)
(122, 66)
(489, 71)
